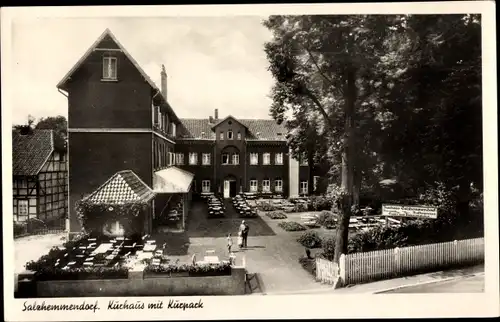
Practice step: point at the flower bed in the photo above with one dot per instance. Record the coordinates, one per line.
(291, 226)
(170, 270)
(277, 215)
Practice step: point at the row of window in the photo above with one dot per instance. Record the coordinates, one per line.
(266, 186)
(228, 158)
(161, 121)
(229, 135)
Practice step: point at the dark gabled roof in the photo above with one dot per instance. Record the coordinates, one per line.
(31, 151)
(122, 188)
(107, 34)
(258, 129)
(226, 118)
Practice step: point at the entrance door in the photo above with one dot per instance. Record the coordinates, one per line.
(226, 189)
(232, 188)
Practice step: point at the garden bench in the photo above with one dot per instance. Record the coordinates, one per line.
(88, 264)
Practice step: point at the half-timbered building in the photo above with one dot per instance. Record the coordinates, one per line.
(40, 188)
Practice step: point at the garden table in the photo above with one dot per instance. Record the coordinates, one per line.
(144, 255)
(149, 248)
(212, 259)
(103, 248)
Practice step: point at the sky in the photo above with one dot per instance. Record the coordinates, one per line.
(211, 62)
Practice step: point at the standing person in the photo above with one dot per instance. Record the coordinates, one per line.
(245, 235)
(240, 239)
(242, 231)
(229, 243)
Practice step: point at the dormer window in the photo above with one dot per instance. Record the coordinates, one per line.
(229, 135)
(109, 68)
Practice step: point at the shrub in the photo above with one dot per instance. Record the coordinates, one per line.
(300, 207)
(19, 229)
(310, 239)
(291, 226)
(81, 273)
(194, 270)
(318, 203)
(328, 244)
(276, 215)
(327, 219)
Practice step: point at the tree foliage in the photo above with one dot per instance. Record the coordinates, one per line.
(394, 96)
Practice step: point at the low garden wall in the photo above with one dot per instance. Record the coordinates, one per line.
(140, 284)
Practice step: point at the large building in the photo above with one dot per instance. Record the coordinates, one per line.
(118, 120)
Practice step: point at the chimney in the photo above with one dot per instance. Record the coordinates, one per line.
(210, 119)
(216, 114)
(163, 81)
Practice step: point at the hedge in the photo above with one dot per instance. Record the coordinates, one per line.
(291, 226)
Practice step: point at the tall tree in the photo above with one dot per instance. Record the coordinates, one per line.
(57, 123)
(325, 59)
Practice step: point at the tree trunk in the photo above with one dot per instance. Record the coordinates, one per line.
(347, 166)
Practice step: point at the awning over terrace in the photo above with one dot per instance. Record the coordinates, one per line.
(122, 188)
(172, 180)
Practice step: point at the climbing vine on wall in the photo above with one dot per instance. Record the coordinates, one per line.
(94, 216)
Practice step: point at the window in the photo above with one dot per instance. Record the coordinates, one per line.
(109, 68)
(225, 158)
(205, 186)
(239, 136)
(266, 185)
(222, 135)
(193, 158)
(22, 210)
(266, 158)
(278, 185)
(205, 159)
(279, 158)
(160, 119)
(171, 158)
(254, 158)
(229, 135)
(303, 187)
(236, 158)
(173, 129)
(315, 182)
(180, 158)
(253, 185)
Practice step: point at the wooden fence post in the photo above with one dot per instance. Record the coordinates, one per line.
(397, 260)
(340, 278)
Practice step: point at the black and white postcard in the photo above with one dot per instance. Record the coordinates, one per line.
(250, 161)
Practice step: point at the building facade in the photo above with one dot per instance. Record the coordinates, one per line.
(118, 119)
(39, 177)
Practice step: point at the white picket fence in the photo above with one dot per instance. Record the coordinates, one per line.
(391, 263)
